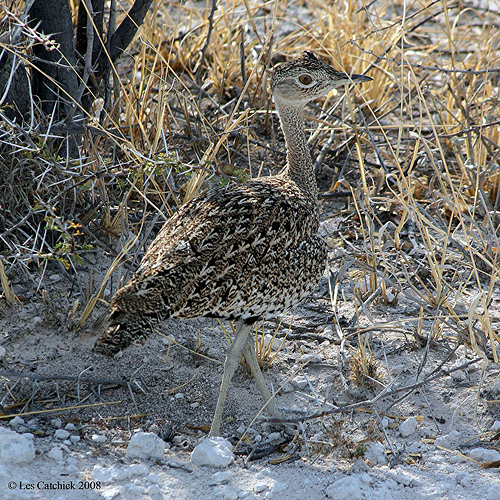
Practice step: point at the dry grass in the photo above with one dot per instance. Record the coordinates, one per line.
(191, 106)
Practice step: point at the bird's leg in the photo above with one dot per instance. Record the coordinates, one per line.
(233, 357)
(253, 363)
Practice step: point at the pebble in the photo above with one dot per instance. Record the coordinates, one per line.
(56, 422)
(484, 455)
(137, 470)
(145, 445)
(274, 342)
(70, 427)
(496, 387)
(278, 487)
(449, 440)
(260, 487)
(493, 493)
(153, 478)
(74, 439)
(62, 434)
(2, 354)
(458, 376)
(213, 452)
(154, 489)
(16, 449)
(408, 427)
(55, 453)
(413, 448)
(221, 477)
(349, 488)
(496, 426)
(179, 395)
(111, 493)
(359, 466)
(98, 438)
(300, 383)
(375, 453)
(274, 436)
(397, 370)
(463, 479)
(16, 422)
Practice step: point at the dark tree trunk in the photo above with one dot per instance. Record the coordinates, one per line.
(14, 79)
(64, 87)
(55, 79)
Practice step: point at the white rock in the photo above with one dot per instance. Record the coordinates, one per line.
(16, 422)
(221, 477)
(137, 470)
(213, 452)
(275, 343)
(154, 489)
(260, 487)
(16, 449)
(359, 466)
(463, 479)
(102, 474)
(385, 422)
(496, 387)
(274, 436)
(375, 453)
(278, 487)
(347, 488)
(98, 438)
(401, 478)
(55, 453)
(70, 427)
(413, 448)
(153, 478)
(458, 376)
(62, 434)
(74, 439)
(110, 493)
(179, 395)
(449, 440)
(493, 493)
(300, 383)
(484, 455)
(408, 427)
(145, 445)
(496, 426)
(56, 422)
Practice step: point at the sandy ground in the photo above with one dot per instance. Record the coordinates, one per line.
(172, 390)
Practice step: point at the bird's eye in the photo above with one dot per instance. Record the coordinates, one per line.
(305, 79)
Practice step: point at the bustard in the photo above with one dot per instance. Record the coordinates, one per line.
(239, 252)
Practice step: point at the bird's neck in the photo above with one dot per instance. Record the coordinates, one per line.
(299, 168)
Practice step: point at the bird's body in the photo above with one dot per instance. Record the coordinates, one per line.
(240, 252)
(236, 253)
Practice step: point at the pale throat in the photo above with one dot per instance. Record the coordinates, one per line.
(300, 166)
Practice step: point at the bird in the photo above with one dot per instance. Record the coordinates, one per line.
(239, 252)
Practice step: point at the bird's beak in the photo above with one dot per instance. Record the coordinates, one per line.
(359, 78)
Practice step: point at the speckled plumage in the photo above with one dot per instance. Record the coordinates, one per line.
(238, 252)
(235, 253)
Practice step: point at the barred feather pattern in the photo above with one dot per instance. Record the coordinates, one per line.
(241, 252)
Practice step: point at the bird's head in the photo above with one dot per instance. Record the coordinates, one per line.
(299, 81)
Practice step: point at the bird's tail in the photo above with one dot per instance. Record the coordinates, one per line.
(125, 329)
